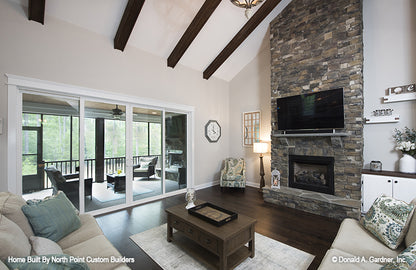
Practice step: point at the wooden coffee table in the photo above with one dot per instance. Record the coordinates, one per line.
(227, 241)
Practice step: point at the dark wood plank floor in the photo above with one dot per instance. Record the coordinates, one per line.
(311, 233)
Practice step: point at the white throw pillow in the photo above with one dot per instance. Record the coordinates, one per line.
(44, 246)
(13, 241)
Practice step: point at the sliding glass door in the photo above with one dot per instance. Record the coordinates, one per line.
(128, 153)
(176, 151)
(105, 154)
(50, 146)
(147, 153)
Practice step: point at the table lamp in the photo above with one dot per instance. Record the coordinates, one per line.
(260, 148)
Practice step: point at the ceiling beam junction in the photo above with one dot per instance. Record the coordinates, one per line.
(130, 15)
(192, 31)
(245, 31)
(36, 11)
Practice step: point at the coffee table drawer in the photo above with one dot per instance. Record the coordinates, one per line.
(191, 232)
(177, 224)
(208, 242)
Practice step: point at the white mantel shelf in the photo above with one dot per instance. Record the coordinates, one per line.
(340, 134)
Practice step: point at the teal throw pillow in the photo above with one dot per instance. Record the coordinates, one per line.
(405, 259)
(388, 219)
(47, 262)
(53, 217)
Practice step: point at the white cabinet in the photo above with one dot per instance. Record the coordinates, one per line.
(372, 186)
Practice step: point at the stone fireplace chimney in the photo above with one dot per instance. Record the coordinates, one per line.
(315, 46)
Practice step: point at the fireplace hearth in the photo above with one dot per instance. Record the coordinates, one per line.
(314, 173)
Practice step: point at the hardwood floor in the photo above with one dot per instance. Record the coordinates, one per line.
(311, 233)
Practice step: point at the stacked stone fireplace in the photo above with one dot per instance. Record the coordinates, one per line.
(316, 46)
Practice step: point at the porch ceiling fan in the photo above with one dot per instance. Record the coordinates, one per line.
(117, 113)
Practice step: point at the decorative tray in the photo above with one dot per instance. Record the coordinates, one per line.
(213, 214)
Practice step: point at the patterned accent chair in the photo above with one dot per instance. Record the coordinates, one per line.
(233, 174)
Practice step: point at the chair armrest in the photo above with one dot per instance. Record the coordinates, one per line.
(136, 166)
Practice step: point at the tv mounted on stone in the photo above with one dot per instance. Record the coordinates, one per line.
(314, 112)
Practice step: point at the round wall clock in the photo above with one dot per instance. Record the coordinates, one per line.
(213, 131)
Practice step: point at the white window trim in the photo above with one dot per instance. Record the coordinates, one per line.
(17, 83)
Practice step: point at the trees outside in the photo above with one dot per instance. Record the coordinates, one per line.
(57, 136)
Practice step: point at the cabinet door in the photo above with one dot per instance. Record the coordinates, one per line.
(404, 189)
(372, 187)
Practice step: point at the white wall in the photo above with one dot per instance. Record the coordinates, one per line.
(389, 60)
(250, 91)
(65, 53)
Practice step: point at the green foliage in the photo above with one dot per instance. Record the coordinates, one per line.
(56, 135)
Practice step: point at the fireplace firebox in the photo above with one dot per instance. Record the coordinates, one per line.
(314, 173)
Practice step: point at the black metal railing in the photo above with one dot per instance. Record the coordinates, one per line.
(70, 168)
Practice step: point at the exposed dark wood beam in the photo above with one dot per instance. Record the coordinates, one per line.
(249, 27)
(127, 23)
(37, 10)
(192, 31)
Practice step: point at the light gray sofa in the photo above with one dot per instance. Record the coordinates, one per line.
(88, 240)
(353, 242)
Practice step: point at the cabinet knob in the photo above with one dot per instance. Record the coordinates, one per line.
(388, 181)
(396, 182)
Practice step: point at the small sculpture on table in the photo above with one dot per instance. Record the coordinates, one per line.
(275, 179)
(190, 198)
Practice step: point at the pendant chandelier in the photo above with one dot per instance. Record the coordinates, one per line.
(247, 4)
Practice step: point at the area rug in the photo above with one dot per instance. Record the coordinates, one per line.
(184, 254)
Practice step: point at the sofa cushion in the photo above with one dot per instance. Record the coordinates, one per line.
(44, 246)
(388, 219)
(64, 262)
(98, 248)
(11, 207)
(13, 241)
(405, 259)
(411, 232)
(53, 217)
(89, 229)
(354, 239)
(3, 266)
(336, 259)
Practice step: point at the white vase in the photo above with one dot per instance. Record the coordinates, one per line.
(407, 164)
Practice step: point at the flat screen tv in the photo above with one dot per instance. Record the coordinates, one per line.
(314, 111)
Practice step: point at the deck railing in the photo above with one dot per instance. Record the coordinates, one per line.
(69, 168)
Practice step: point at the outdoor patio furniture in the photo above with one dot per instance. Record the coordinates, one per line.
(145, 168)
(69, 187)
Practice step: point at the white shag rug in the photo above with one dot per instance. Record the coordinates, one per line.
(184, 254)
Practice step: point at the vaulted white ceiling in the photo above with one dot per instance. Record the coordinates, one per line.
(161, 24)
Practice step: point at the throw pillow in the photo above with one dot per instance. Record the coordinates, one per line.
(44, 246)
(388, 219)
(404, 260)
(53, 217)
(62, 262)
(13, 241)
(11, 207)
(411, 233)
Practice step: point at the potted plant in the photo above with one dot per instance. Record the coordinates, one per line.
(406, 143)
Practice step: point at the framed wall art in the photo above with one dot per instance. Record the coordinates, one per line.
(251, 128)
